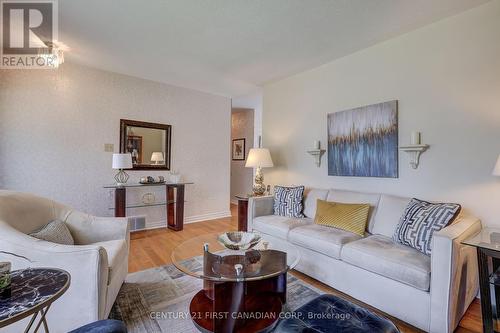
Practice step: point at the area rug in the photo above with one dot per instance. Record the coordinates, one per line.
(157, 300)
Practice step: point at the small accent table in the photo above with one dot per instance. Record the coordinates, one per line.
(487, 244)
(242, 212)
(33, 291)
(174, 201)
(243, 291)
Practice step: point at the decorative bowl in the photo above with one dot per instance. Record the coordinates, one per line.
(238, 240)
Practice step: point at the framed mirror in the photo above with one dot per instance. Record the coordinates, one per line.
(148, 143)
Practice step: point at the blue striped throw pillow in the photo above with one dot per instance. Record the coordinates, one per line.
(420, 220)
(288, 201)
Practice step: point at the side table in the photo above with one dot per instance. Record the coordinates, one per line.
(33, 291)
(487, 244)
(242, 212)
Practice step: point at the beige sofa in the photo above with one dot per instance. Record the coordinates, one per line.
(429, 292)
(98, 263)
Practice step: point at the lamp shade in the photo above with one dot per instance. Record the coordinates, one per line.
(259, 157)
(496, 170)
(157, 156)
(122, 161)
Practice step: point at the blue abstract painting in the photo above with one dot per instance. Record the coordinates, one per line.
(363, 142)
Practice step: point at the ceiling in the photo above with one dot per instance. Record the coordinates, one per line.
(230, 47)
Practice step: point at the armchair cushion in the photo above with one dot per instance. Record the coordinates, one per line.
(55, 232)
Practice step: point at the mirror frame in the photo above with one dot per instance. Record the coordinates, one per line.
(124, 123)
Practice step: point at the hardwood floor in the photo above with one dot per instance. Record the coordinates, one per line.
(153, 248)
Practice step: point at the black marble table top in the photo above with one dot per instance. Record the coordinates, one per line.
(32, 289)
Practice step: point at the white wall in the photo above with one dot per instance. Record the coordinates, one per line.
(54, 124)
(242, 127)
(446, 77)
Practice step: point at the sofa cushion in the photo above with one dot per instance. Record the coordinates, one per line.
(288, 201)
(310, 199)
(381, 255)
(420, 220)
(356, 197)
(117, 254)
(278, 226)
(348, 217)
(389, 211)
(322, 239)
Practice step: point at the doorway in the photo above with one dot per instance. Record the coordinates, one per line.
(242, 139)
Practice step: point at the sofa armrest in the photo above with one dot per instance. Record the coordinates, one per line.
(87, 265)
(259, 206)
(88, 229)
(454, 280)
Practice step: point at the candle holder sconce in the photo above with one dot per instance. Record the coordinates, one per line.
(317, 152)
(415, 149)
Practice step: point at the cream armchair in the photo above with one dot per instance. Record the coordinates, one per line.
(98, 263)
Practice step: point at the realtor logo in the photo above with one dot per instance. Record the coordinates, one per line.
(29, 29)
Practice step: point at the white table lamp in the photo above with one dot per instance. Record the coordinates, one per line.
(496, 170)
(259, 158)
(120, 162)
(157, 157)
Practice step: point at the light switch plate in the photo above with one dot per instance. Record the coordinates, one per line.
(109, 147)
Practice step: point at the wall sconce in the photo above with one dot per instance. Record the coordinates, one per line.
(415, 149)
(317, 152)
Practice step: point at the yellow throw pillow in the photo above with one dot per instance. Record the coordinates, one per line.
(348, 217)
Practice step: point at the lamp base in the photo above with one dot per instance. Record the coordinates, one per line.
(121, 177)
(259, 188)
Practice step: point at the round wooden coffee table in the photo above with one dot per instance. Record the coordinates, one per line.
(243, 291)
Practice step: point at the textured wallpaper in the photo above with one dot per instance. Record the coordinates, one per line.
(54, 124)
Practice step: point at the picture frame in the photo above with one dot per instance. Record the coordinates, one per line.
(238, 151)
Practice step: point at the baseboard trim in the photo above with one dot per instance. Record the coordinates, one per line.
(190, 219)
(206, 217)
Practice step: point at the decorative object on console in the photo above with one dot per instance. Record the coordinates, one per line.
(148, 198)
(5, 279)
(55, 232)
(496, 169)
(239, 240)
(420, 220)
(120, 162)
(157, 157)
(349, 217)
(174, 177)
(259, 158)
(317, 153)
(288, 201)
(151, 180)
(363, 142)
(239, 149)
(415, 149)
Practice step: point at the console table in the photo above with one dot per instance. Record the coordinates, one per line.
(174, 201)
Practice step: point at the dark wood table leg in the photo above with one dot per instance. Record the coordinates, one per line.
(242, 214)
(484, 286)
(175, 206)
(120, 201)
